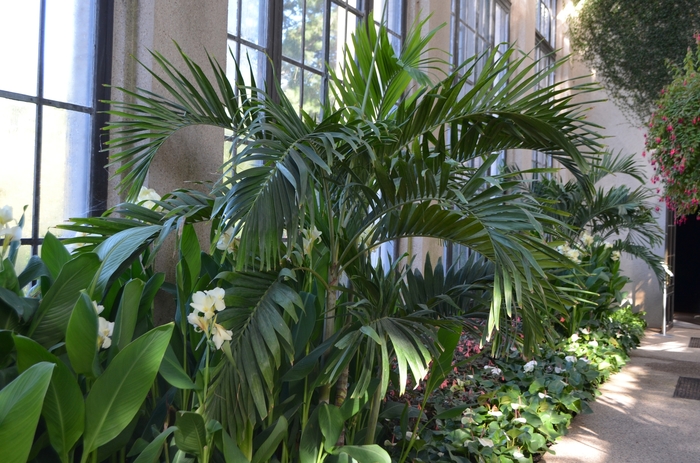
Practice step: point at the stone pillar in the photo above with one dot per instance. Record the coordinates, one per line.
(192, 154)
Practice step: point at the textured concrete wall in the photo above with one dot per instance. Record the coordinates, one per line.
(191, 154)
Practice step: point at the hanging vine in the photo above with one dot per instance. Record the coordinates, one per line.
(629, 42)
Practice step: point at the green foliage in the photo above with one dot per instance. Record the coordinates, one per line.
(618, 211)
(509, 410)
(629, 42)
(673, 141)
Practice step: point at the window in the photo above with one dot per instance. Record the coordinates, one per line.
(544, 55)
(294, 39)
(478, 26)
(49, 126)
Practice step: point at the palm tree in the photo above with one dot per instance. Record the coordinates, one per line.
(618, 211)
(315, 325)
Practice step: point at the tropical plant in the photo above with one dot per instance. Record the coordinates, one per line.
(88, 377)
(618, 213)
(303, 203)
(673, 142)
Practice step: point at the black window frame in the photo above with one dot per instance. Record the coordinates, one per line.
(101, 73)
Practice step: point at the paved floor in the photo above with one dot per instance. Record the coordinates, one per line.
(636, 419)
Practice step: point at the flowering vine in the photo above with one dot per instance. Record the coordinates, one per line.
(673, 142)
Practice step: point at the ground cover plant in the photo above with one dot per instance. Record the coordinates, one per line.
(286, 336)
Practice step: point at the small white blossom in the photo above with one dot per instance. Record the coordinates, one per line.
(515, 406)
(219, 335)
(607, 245)
(584, 331)
(574, 337)
(558, 370)
(226, 242)
(309, 238)
(542, 395)
(570, 358)
(518, 454)
(586, 239)
(520, 420)
(5, 215)
(104, 333)
(593, 343)
(147, 196)
(14, 233)
(615, 255)
(98, 308)
(209, 302)
(495, 413)
(529, 366)
(200, 323)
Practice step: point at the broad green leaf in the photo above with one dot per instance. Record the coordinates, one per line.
(311, 439)
(54, 254)
(127, 314)
(20, 406)
(12, 301)
(152, 451)
(115, 251)
(82, 338)
(51, 319)
(172, 371)
(191, 252)
(35, 269)
(365, 453)
(119, 392)
(331, 423)
(149, 293)
(8, 277)
(64, 408)
(269, 447)
(191, 434)
(232, 454)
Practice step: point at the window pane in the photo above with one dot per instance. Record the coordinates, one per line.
(19, 33)
(69, 51)
(249, 60)
(65, 168)
(313, 51)
(233, 17)
(312, 93)
(254, 22)
(17, 145)
(290, 80)
(292, 29)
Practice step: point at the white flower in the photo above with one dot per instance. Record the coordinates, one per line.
(219, 335)
(147, 196)
(586, 239)
(542, 395)
(15, 233)
(607, 245)
(593, 343)
(200, 323)
(104, 333)
(529, 366)
(574, 337)
(558, 370)
(570, 358)
(520, 420)
(615, 255)
(310, 237)
(495, 413)
(585, 360)
(493, 370)
(226, 241)
(515, 406)
(518, 454)
(409, 435)
(209, 302)
(584, 331)
(5, 215)
(98, 308)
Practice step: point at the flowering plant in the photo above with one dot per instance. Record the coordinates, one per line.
(673, 142)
